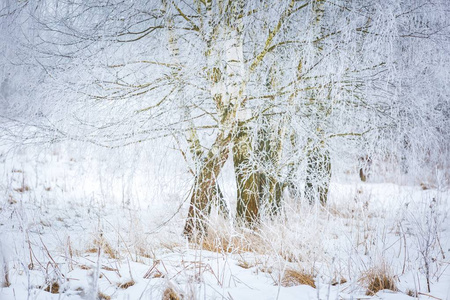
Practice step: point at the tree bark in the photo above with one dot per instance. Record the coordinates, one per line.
(247, 179)
(205, 186)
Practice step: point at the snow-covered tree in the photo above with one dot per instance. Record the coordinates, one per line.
(283, 88)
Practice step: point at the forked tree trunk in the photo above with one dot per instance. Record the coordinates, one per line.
(228, 93)
(205, 187)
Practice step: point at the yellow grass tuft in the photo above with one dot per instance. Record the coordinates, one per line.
(102, 296)
(244, 264)
(215, 242)
(293, 277)
(378, 279)
(338, 282)
(171, 294)
(126, 285)
(84, 267)
(106, 247)
(227, 240)
(52, 287)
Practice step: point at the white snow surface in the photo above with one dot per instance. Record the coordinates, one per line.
(62, 222)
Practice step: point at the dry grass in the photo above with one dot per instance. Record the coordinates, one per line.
(222, 238)
(52, 287)
(109, 250)
(6, 282)
(411, 293)
(84, 267)
(289, 255)
(338, 282)
(171, 294)
(106, 247)
(380, 282)
(106, 268)
(293, 277)
(126, 285)
(141, 251)
(23, 188)
(426, 186)
(158, 274)
(102, 296)
(265, 269)
(378, 279)
(217, 242)
(153, 272)
(245, 264)
(337, 212)
(169, 245)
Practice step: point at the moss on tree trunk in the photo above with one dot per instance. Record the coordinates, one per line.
(247, 179)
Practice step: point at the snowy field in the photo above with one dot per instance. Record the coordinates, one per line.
(210, 149)
(69, 232)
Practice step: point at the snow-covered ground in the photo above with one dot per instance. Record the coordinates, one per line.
(72, 229)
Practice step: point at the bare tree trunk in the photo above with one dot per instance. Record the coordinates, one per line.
(228, 93)
(258, 177)
(247, 179)
(205, 186)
